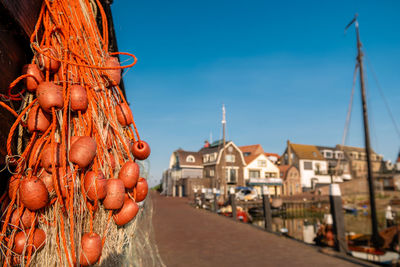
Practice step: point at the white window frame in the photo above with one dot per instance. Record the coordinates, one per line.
(190, 158)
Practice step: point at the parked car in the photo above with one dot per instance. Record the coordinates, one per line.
(246, 193)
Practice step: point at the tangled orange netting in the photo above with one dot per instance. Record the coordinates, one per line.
(78, 169)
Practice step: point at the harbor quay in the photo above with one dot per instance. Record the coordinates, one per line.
(187, 236)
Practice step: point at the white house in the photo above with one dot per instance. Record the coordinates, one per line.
(260, 170)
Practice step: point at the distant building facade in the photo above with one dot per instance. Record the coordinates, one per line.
(357, 158)
(183, 165)
(223, 165)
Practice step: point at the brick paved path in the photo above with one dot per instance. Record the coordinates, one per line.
(191, 237)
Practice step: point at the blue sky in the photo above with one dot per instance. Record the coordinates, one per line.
(284, 70)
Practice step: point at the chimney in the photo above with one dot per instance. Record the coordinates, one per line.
(289, 152)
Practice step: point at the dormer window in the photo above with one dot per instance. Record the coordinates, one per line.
(190, 158)
(246, 154)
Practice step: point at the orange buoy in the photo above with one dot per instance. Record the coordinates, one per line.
(113, 74)
(25, 221)
(50, 96)
(126, 213)
(129, 174)
(140, 150)
(79, 98)
(91, 249)
(33, 193)
(39, 240)
(124, 114)
(49, 159)
(142, 189)
(83, 151)
(115, 194)
(95, 185)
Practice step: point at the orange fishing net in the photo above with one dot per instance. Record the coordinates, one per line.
(77, 173)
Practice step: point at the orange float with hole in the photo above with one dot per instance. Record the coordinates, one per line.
(140, 150)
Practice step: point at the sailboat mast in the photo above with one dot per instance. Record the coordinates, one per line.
(223, 151)
(375, 234)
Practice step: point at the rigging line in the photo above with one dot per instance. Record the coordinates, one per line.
(348, 116)
(383, 96)
(349, 110)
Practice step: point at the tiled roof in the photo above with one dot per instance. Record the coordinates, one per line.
(306, 152)
(182, 154)
(251, 152)
(253, 149)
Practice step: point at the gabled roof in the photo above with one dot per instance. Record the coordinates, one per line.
(306, 151)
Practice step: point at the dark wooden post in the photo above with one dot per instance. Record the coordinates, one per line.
(215, 206)
(335, 198)
(233, 202)
(267, 212)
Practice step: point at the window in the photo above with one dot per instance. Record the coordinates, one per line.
(246, 154)
(307, 165)
(190, 158)
(262, 163)
(206, 158)
(211, 173)
(254, 174)
(230, 158)
(212, 157)
(328, 154)
(231, 175)
(271, 175)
